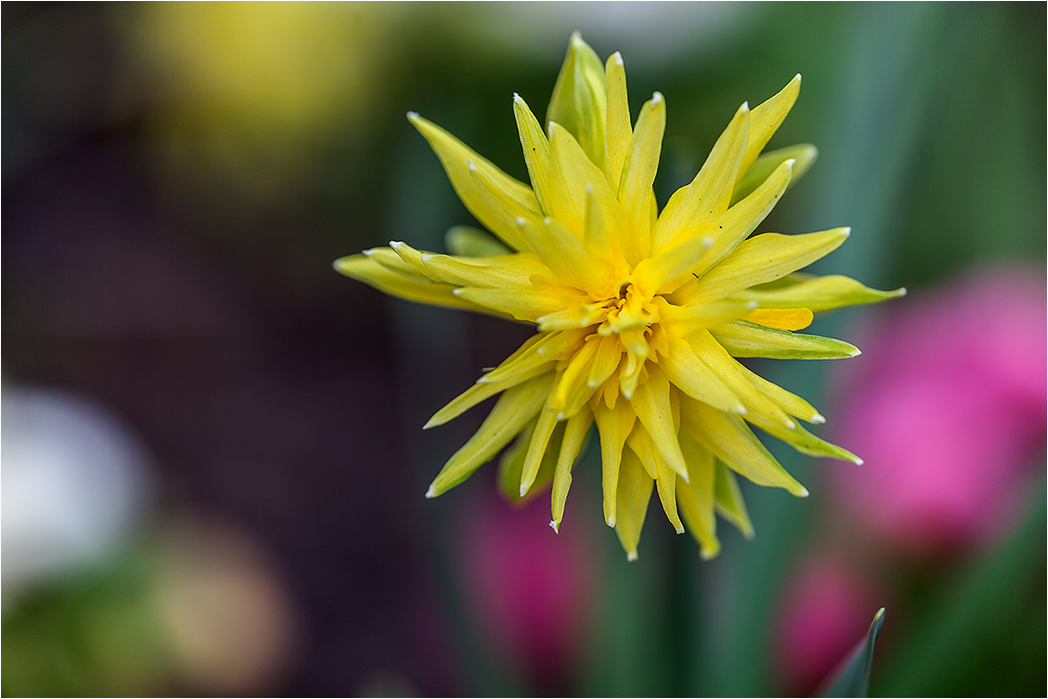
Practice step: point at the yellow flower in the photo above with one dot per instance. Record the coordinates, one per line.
(641, 314)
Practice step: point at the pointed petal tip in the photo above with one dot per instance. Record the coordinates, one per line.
(791, 425)
(561, 417)
(797, 77)
(856, 353)
(708, 555)
(457, 292)
(523, 490)
(412, 116)
(818, 419)
(657, 98)
(679, 530)
(618, 58)
(431, 493)
(555, 526)
(901, 291)
(472, 166)
(631, 555)
(857, 461)
(802, 493)
(611, 521)
(846, 231)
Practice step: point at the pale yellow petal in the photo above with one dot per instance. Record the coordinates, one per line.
(520, 304)
(572, 391)
(536, 152)
(614, 426)
(391, 260)
(362, 269)
(455, 156)
(728, 437)
(696, 499)
(781, 318)
(634, 492)
(690, 374)
(638, 171)
(574, 434)
(765, 121)
(537, 448)
(506, 272)
(619, 129)
(511, 413)
(764, 258)
(651, 402)
(568, 257)
(691, 209)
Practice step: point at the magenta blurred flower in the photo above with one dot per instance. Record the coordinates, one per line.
(947, 407)
(825, 611)
(530, 588)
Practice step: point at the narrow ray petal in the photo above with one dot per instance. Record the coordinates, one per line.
(651, 402)
(803, 155)
(574, 435)
(619, 129)
(567, 256)
(536, 152)
(766, 119)
(764, 258)
(693, 376)
(509, 272)
(638, 171)
(730, 504)
(455, 156)
(634, 492)
(743, 339)
(781, 318)
(696, 499)
(362, 269)
(614, 426)
(512, 411)
(819, 294)
(520, 304)
(728, 437)
(692, 208)
(537, 448)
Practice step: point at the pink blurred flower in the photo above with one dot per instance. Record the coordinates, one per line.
(530, 588)
(825, 610)
(947, 405)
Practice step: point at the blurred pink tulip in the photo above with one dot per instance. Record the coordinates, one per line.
(947, 406)
(531, 589)
(825, 610)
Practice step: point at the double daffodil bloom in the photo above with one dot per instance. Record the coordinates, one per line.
(641, 314)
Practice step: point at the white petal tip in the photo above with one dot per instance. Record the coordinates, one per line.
(611, 521)
(632, 556)
(797, 77)
(751, 304)
(555, 526)
(588, 188)
(791, 425)
(656, 98)
(803, 493)
(858, 461)
(856, 353)
(457, 291)
(679, 530)
(745, 107)
(431, 493)
(412, 115)
(521, 221)
(741, 410)
(561, 417)
(902, 291)
(548, 221)
(846, 231)
(472, 166)
(523, 490)
(618, 59)
(396, 244)
(817, 419)
(707, 242)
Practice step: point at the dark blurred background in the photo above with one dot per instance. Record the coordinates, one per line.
(213, 465)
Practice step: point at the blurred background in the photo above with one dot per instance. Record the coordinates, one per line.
(213, 469)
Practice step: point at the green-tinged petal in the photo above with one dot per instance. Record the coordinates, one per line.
(456, 157)
(467, 241)
(619, 129)
(819, 294)
(690, 374)
(803, 155)
(666, 484)
(744, 339)
(521, 304)
(728, 437)
(579, 101)
(574, 435)
(734, 225)
(691, 209)
(536, 152)
(807, 443)
(514, 409)
(651, 402)
(634, 492)
(763, 258)
(729, 500)
(766, 119)
(638, 172)
(597, 236)
(362, 269)
(512, 462)
(696, 499)
(503, 272)
(614, 426)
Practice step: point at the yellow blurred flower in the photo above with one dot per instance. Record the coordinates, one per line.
(640, 314)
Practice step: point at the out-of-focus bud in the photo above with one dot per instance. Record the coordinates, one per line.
(580, 99)
(947, 412)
